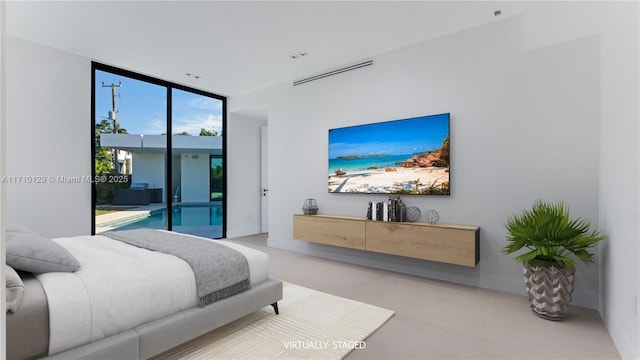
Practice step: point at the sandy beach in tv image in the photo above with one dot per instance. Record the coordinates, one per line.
(408, 156)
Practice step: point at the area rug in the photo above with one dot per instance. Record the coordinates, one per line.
(311, 325)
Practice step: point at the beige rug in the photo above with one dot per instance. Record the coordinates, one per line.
(311, 325)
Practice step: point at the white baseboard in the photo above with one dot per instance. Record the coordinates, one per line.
(627, 347)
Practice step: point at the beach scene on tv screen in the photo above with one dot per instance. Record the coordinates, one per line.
(408, 156)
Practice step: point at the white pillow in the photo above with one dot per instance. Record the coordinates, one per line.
(28, 251)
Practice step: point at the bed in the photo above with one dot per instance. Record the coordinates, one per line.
(114, 298)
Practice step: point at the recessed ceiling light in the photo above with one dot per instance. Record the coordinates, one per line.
(298, 54)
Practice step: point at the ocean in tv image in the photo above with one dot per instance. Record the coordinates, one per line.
(407, 156)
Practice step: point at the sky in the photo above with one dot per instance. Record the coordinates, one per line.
(398, 137)
(142, 107)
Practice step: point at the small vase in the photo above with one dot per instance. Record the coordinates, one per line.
(310, 207)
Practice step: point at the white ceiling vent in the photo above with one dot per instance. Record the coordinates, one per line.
(333, 72)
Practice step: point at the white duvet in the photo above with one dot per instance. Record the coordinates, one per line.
(119, 287)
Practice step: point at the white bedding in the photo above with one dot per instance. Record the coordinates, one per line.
(119, 287)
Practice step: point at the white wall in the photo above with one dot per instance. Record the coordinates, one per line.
(48, 123)
(244, 190)
(3, 339)
(195, 174)
(150, 169)
(620, 177)
(513, 137)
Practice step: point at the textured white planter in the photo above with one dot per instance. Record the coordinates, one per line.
(549, 290)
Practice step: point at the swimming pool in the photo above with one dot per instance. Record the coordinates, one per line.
(181, 215)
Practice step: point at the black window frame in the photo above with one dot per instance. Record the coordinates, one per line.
(170, 86)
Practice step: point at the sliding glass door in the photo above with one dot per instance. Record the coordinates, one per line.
(153, 161)
(197, 125)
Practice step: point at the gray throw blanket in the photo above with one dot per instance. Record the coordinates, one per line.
(219, 270)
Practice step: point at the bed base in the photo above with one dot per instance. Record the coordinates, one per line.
(163, 334)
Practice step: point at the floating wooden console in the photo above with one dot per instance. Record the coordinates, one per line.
(331, 230)
(453, 244)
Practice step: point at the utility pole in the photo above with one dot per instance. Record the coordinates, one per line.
(113, 115)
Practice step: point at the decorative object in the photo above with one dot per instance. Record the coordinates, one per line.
(391, 210)
(413, 214)
(432, 216)
(308, 317)
(396, 209)
(553, 240)
(406, 156)
(310, 207)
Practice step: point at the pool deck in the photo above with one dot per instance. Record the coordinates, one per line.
(138, 211)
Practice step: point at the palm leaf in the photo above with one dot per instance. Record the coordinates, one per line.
(527, 256)
(549, 233)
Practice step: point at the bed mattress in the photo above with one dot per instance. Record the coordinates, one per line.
(28, 329)
(139, 286)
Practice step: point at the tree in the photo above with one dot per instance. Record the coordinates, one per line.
(205, 132)
(184, 133)
(104, 157)
(105, 126)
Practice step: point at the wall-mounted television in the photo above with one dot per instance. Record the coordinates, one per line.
(406, 156)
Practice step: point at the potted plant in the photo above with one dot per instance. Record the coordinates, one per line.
(552, 240)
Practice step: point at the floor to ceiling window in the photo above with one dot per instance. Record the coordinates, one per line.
(144, 178)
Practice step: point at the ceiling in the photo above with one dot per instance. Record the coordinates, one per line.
(236, 47)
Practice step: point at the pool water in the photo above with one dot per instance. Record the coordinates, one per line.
(181, 216)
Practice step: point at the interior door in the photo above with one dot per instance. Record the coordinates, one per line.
(263, 180)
